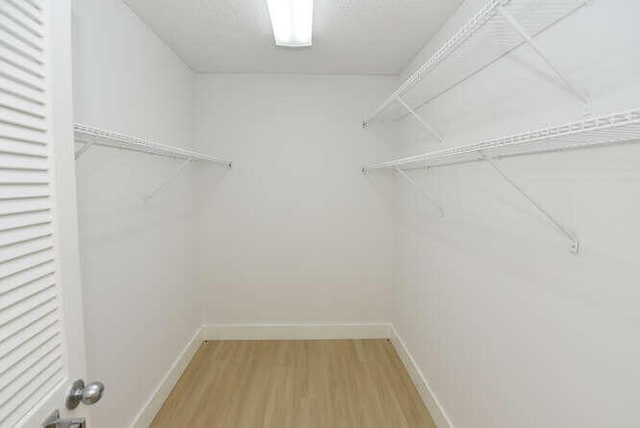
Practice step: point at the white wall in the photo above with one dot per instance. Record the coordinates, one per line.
(141, 302)
(508, 327)
(294, 233)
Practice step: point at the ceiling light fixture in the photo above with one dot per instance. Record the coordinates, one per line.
(292, 21)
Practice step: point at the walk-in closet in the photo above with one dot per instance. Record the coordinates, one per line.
(319, 214)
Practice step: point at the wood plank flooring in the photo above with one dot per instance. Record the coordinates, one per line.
(294, 384)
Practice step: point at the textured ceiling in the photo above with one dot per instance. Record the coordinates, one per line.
(349, 36)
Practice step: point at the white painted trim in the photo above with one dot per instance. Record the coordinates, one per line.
(438, 414)
(296, 331)
(162, 391)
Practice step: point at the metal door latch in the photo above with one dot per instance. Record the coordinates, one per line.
(54, 421)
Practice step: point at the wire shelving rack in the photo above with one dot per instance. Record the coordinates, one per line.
(608, 129)
(615, 128)
(91, 136)
(497, 29)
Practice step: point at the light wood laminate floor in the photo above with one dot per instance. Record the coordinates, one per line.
(294, 384)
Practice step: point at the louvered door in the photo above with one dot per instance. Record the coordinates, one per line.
(40, 312)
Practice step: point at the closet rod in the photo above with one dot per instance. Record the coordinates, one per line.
(91, 136)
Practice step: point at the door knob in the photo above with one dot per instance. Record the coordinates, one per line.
(87, 394)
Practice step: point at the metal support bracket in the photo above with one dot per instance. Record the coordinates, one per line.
(82, 150)
(582, 96)
(421, 190)
(420, 119)
(575, 243)
(166, 180)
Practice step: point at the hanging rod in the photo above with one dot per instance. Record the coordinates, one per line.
(91, 136)
(609, 129)
(492, 9)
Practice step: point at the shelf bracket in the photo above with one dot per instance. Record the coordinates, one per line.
(82, 150)
(420, 189)
(166, 180)
(582, 96)
(575, 243)
(420, 119)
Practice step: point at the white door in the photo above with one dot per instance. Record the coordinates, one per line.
(41, 321)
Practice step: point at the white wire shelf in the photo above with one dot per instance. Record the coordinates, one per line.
(616, 128)
(497, 29)
(91, 136)
(99, 137)
(613, 128)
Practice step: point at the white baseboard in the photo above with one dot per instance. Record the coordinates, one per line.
(438, 414)
(296, 331)
(162, 391)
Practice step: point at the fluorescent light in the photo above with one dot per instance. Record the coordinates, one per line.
(292, 21)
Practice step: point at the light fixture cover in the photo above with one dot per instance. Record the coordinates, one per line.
(292, 21)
